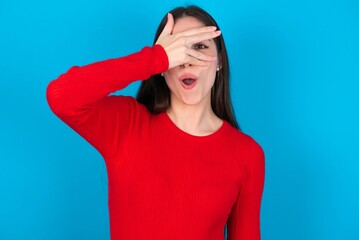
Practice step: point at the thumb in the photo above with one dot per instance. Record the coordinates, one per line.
(167, 30)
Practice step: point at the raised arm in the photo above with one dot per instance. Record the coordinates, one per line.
(80, 87)
(80, 97)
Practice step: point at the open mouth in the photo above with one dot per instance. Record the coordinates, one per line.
(188, 81)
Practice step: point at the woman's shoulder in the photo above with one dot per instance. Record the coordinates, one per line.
(243, 141)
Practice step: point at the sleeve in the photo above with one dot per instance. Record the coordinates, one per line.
(244, 220)
(80, 97)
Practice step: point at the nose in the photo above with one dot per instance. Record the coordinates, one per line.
(186, 65)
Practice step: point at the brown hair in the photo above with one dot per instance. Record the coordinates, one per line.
(154, 92)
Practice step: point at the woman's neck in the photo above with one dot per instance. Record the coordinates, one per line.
(199, 120)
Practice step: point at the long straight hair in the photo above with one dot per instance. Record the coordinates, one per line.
(154, 92)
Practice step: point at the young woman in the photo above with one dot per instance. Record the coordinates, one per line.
(178, 166)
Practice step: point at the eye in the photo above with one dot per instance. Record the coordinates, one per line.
(200, 46)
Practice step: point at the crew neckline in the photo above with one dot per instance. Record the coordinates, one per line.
(179, 131)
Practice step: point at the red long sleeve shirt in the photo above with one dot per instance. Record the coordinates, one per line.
(163, 183)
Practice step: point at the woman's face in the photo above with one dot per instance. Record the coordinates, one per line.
(198, 91)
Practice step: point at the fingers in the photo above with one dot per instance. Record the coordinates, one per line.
(178, 46)
(200, 56)
(202, 36)
(197, 30)
(167, 30)
(197, 58)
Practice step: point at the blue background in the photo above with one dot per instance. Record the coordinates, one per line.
(294, 86)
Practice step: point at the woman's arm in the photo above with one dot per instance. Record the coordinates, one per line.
(244, 219)
(80, 98)
(83, 86)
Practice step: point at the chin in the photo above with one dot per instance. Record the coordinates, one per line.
(193, 100)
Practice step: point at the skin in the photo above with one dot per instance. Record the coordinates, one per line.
(191, 49)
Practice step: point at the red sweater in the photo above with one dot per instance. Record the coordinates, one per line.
(163, 183)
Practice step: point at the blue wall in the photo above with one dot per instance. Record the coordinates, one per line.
(294, 85)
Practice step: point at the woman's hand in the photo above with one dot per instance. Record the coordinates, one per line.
(179, 46)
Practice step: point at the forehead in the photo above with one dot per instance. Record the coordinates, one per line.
(185, 23)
